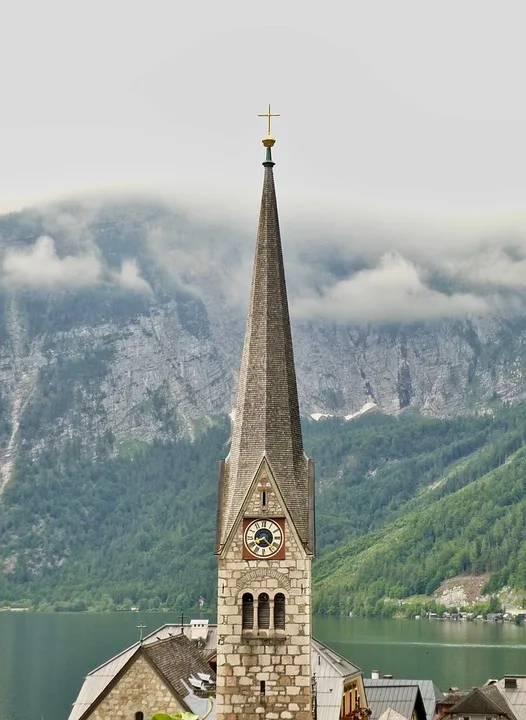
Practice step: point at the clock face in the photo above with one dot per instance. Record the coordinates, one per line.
(263, 538)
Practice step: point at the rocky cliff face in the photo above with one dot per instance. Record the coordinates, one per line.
(141, 338)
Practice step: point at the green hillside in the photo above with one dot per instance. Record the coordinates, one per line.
(476, 529)
(402, 504)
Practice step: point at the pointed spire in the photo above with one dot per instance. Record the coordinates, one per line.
(267, 421)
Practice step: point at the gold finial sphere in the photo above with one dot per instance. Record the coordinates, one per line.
(269, 141)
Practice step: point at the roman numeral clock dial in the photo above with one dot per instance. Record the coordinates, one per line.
(263, 539)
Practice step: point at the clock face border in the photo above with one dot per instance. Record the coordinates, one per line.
(279, 555)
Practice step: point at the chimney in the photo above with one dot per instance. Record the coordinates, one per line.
(375, 674)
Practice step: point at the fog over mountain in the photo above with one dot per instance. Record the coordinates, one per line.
(363, 271)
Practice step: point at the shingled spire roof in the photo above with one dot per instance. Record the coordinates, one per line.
(267, 420)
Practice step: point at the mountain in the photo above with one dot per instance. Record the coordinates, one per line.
(121, 327)
(403, 503)
(125, 320)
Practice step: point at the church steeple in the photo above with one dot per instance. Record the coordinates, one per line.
(267, 419)
(265, 519)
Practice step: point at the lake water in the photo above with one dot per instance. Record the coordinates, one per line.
(44, 657)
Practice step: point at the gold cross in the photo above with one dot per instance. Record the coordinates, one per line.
(268, 115)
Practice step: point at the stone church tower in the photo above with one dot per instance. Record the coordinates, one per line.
(265, 518)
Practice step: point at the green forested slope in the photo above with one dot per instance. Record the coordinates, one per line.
(402, 504)
(479, 528)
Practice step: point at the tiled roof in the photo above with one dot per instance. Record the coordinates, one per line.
(486, 700)
(178, 659)
(99, 679)
(267, 420)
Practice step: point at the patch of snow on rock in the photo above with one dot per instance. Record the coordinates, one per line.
(366, 408)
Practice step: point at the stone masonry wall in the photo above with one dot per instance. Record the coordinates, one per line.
(139, 689)
(281, 659)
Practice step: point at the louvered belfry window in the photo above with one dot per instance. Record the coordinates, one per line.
(279, 612)
(263, 612)
(248, 611)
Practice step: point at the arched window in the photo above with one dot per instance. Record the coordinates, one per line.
(248, 612)
(263, 612)
(279, 612)
(139, 715)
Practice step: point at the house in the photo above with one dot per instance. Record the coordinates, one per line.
(513, 690)
(429, 692)
(172, 670)
(337, 685)
(485, 703)
(165, 672)
(403, 697)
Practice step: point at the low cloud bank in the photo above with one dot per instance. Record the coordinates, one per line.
(39, 267)
(359, 271)
(394, 290)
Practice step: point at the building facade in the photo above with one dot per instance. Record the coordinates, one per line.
(265, 519)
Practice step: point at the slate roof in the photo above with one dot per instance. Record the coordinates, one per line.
(161, 647)
(487, 700)
(402, 698)
(429, 691)
(267, 418)
(178, 659)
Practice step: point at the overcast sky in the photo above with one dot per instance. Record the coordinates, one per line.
(408, 107)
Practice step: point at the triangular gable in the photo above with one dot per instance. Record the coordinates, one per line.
(263, 469)
(105, 691)
(477, 702)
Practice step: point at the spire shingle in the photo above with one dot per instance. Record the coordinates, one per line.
(267, 420)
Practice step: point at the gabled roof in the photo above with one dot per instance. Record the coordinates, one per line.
(174, 656)
(328, 663)
(514, 696)
(402, 698)
(182, 665)
(332, 670)
(267, 418)
(429, 691)
(486, 700)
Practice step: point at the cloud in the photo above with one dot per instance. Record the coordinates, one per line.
(349, 269)
(498, 266)
(394, 290)
(130, 278)
(39, 267)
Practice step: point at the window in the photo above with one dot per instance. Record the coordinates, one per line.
(264, 500)
(248, 612)
(279, 612)
(139, 715)
(263, 612)
(262, 687)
